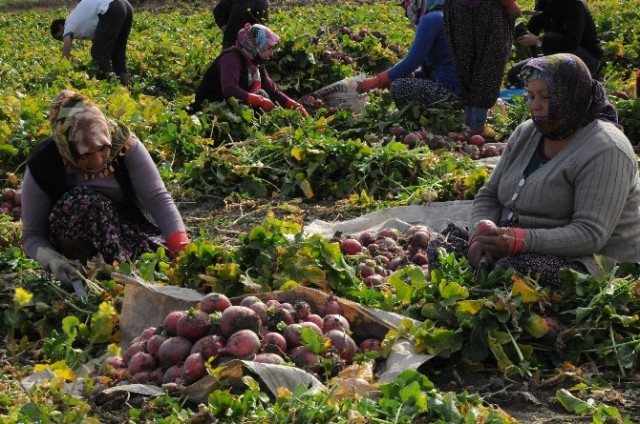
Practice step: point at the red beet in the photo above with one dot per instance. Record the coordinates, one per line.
(316, 319)
(236, 318)
(332, 306)
(304, 358)
(131, 350)
(173, 351)
(277, 316)
(302, 309)
(364, 270)
(214, 302)
(243, 344)
(344, 344)
(194, 325)
(370, 344)
(249, 300)
(170, 322)
(208, 346)
(291, 334)
(154, 342)
(269, 358)
(420, 239)
(334, 322)
(260, 308)
(141, 361)
(8, 194)
(485, 227)
(477, 140)
(147, 333)
(193, 368)
(274, 343)
(388, 232)
(173, 374)
(366, 238)
(350, 247)
(374, 280)
(273, 303)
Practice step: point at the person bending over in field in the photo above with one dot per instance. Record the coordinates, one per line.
(231, 16)
(566, 186)
(438, 79)
(108, 24)
(92, 187)
(239, 72)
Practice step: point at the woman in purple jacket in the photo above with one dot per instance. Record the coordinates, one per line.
(92, 187)
(438, 79)
(239, 72)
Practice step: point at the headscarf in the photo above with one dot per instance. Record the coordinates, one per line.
(575, 99)
(64, 109)
(416, 9)
(254, 39)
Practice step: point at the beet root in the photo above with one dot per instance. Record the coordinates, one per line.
(243, 344)
(304, 358)
(269, 358)
(274, 343)
(334, 322)
(141, 361)
(236, 318)
(214, 302)
(208, 346)
(173, 351)
(344, 344)
(193, 368)
(193, 325)
(170, 322)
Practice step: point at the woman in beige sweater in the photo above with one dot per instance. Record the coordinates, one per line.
(567, 185)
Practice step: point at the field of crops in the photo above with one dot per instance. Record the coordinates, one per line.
(247, 183)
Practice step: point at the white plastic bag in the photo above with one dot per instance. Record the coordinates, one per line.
(343, 94)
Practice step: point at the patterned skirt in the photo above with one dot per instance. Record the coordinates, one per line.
(543, 268)
(84, 215)
(428, 92)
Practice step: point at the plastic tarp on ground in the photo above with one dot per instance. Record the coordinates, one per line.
(435, 215)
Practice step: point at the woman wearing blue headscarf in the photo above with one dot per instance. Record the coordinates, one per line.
(437, 80)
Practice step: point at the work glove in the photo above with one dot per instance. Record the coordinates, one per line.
(54, 262)
(292, 104)
(177, 242)
(505, 242)
(379, 81)
(260, 101)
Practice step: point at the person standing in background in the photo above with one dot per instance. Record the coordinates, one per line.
(232, 15)
(479, 35)
(106, 22)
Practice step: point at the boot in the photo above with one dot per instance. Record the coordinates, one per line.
(124, 79)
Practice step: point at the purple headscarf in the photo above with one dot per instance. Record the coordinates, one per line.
(575, 99)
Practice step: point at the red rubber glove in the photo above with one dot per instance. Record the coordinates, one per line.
(380, 80)
(292, 104)
(505, 242)
(260, 101)
(177, 242)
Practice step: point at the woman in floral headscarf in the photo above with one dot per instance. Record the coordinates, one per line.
(91, 188)
(566, 186)
(438, 79)
(239, 72)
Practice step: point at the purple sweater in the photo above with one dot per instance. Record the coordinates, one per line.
(230, 67)
(149, 188)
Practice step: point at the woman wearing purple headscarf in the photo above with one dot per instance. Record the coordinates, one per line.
(239, 72)
(566, 186)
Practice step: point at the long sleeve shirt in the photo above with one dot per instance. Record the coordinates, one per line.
(429, 50)
(584, 201)
(230, 68)
(149, 188)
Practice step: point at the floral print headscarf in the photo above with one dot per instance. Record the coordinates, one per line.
(253, 39)
(62, 116)
(575, 99)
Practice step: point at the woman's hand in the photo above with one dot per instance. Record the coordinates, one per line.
(528, 39)
(57, 264)
(503, 242)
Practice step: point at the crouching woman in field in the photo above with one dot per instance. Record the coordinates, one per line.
(239, 72)
(92, 187)
(566, 186)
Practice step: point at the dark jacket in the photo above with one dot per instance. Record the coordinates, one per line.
(567, 25)
(47, 167)
(235, 13)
